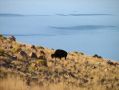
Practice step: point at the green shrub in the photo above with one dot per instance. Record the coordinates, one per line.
(1, 36)
(79, 53)
(40, 47)
(76, 52)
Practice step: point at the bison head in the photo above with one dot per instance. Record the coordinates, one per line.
(52, 55)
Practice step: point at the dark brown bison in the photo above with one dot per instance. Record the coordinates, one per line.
(59, 54)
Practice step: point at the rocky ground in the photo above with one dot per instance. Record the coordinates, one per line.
(35, 65)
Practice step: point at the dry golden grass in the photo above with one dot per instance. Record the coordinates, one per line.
(16, 83)
(77, 72)
(12, 83)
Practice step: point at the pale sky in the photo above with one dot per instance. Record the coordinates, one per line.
(59, 6)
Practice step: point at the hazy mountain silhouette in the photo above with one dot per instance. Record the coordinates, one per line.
(8, 14)
(73, 14)
(83, 27)
(28, 34)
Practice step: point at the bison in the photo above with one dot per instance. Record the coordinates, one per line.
(59, 54)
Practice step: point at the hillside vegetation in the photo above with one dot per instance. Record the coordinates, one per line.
(29, 67)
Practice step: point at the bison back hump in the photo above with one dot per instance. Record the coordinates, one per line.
(60, 52)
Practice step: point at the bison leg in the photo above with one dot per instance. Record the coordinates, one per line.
(65, 58)
(55, 61)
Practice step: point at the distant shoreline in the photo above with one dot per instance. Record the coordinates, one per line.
(59, 14)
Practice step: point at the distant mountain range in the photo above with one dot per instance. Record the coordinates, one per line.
(72, 14)
(7, 14)
(83, 27)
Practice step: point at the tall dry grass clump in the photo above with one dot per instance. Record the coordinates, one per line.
(17, 83)
(12, 83)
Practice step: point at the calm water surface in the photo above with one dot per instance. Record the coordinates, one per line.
(91, 34)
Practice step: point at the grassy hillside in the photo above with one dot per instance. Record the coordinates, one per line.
(27, 66)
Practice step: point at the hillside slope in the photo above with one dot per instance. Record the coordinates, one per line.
(35, 66)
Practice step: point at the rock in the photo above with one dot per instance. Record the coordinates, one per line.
(33, 55)
(12, 38)
(14, 57)
(42, 57)
(23, 53)
(2, 63)
(42, 52)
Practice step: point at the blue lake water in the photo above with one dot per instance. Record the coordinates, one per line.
(91, 34)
